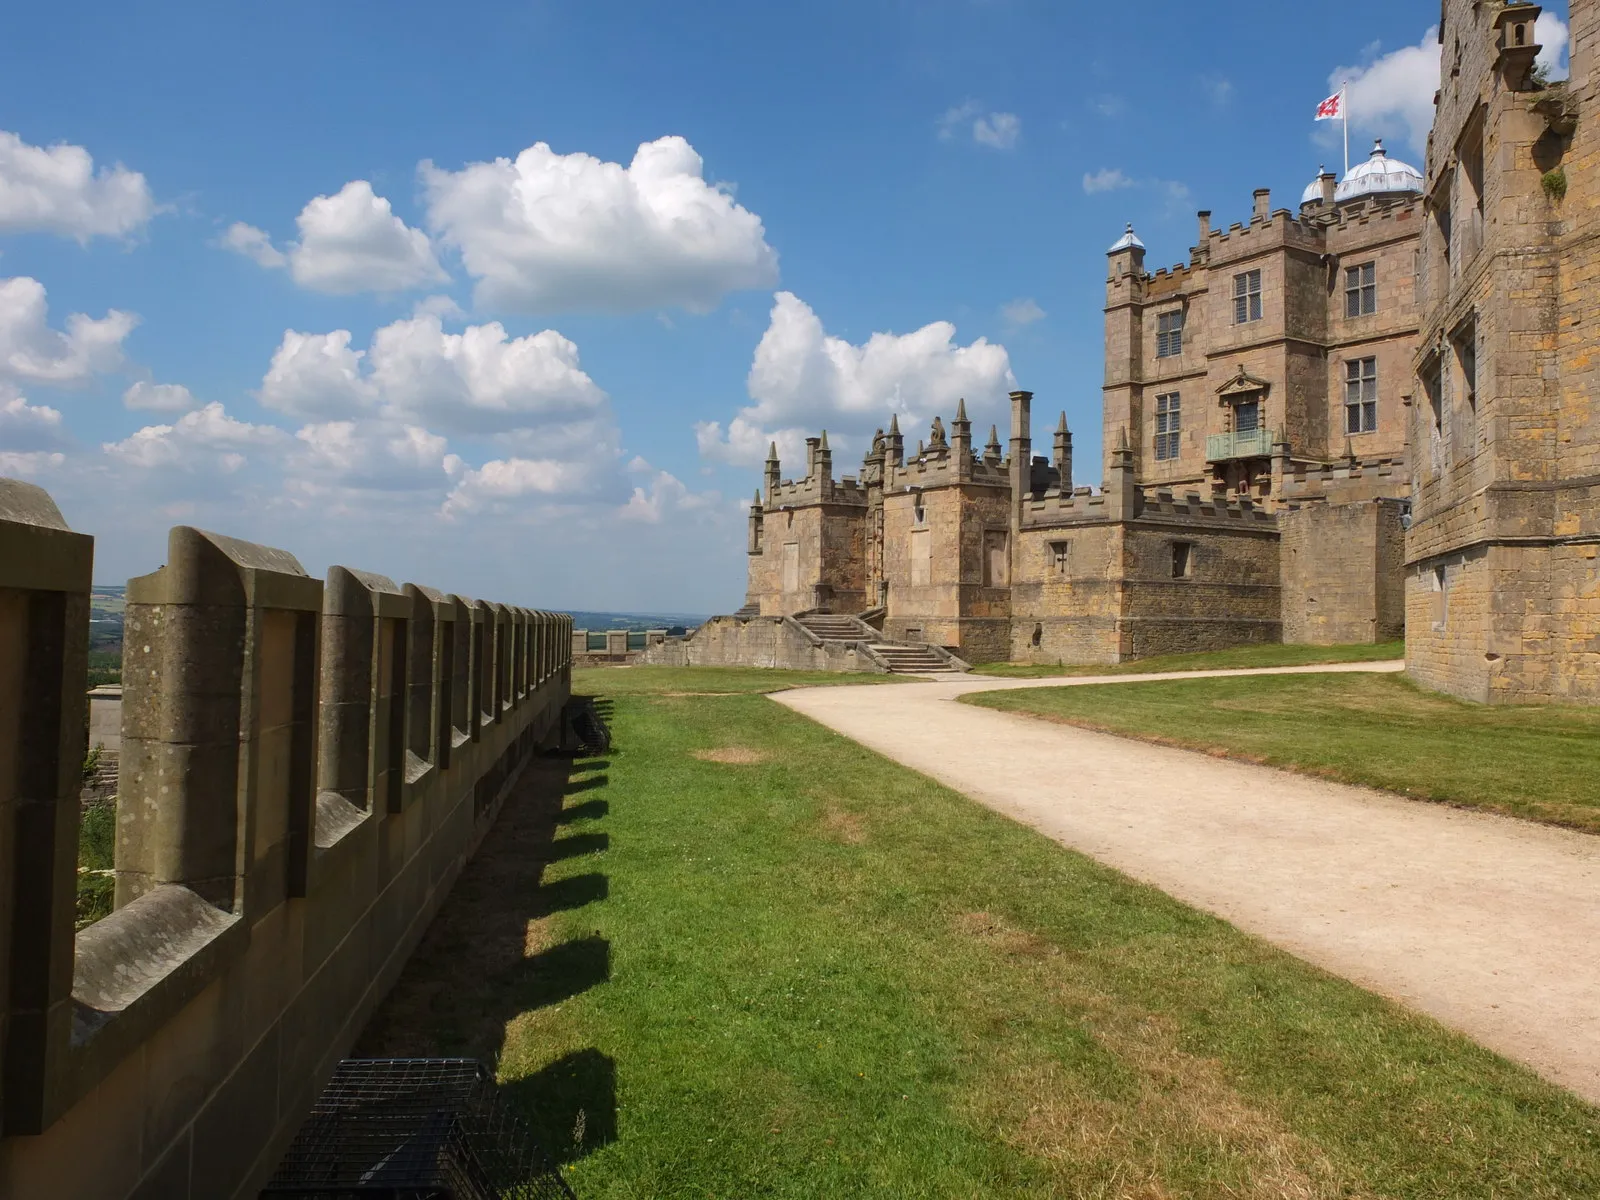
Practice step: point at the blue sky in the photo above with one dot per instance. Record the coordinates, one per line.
(823, 185)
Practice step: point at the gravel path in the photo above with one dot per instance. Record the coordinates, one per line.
(1487, 923)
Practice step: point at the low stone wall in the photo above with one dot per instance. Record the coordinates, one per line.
(779, 642)
(305, 768)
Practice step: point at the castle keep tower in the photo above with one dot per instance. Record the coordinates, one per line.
(1503, 555)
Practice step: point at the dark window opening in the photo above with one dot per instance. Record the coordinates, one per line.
(1182, 559)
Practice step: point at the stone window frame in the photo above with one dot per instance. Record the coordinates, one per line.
(1464, 360)
(1168, 426)
(1361, 289)
(1361, 395)
(1247, 297)
(1169, 333)
(1061, 556)
(1183, 556)
(1255, 401)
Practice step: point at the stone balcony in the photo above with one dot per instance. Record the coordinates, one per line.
(1254, 443)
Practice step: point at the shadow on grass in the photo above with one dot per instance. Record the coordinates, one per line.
(571, 1104)
(589, 810)
(577, 844)
(482, 962)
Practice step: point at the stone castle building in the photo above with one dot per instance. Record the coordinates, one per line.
(1256, 477)
(1503, 556)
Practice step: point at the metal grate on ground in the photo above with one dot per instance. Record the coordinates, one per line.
(415, 1129)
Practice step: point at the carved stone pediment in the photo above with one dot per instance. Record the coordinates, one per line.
(1242, 384)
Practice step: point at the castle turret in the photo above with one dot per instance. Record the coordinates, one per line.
(894, 442)
(1021, 456)
(1121, 489)
(992, 452)
(961, 441)
(1063, 455)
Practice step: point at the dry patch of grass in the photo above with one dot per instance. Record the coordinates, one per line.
(1170, 1101)
(731, 755)
(846, 827)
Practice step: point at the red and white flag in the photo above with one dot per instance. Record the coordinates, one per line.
(1332, 109)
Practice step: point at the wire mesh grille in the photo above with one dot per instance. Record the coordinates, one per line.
(415, 1129)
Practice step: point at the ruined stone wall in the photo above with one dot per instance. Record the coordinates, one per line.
(1343, 573)
(305, 768)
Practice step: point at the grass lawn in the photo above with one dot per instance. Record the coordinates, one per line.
(1378, 730)
(743, 957)
(1212, 660)
(703, 681)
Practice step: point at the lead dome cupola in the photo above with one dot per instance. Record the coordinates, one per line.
(1380, 175)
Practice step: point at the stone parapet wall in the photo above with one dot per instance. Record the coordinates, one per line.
(764, 641)
(306, 765)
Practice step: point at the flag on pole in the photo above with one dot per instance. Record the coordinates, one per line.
(1332, 109)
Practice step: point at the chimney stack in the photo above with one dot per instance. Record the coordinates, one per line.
(1263, 205)
(1330, 186)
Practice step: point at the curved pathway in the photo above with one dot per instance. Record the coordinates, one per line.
(1487, 923)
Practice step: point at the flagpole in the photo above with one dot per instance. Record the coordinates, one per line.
(1344, 110)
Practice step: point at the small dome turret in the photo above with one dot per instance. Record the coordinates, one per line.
(1380, 175)
(1128, 241)
(1313, 192)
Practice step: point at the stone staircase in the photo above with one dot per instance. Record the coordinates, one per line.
(903, 658)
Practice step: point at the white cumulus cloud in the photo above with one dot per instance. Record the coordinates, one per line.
(503, 481)
(57, 189)
(1023, 311)
(158, 397)
(551, 232)
(349, 242)
(803, 377)
(204, 439)
(31, 351)
(29, 428)
(254, 244)
(478, 381)
(352, 242)
(375, 455)
(1106, 179)
(316, 375)
(996, 130)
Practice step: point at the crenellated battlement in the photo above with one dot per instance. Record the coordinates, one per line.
(1192, 506)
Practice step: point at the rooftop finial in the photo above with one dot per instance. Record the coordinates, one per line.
(823, 445)
(1061, 426)
(961, 409)
(1122, 437)
(894, 424)
(772, 452)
